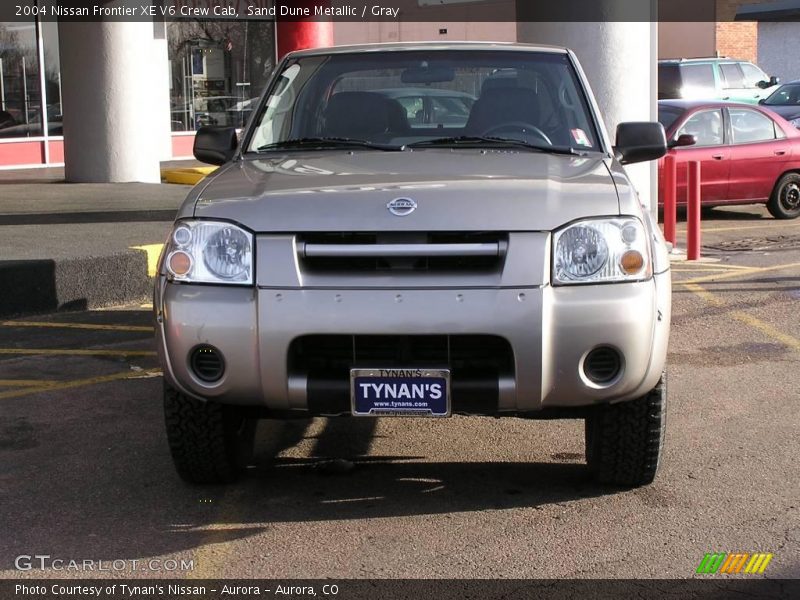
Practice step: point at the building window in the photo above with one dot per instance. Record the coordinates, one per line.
(52, 77)
(217, 70)
(20, 91)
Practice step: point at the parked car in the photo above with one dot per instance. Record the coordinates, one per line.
(785, 101)
(748, 154)
(181, 115)
(11, 127)
(225, 111)
(339, 263)
(240, 112)
(713, 78)
(431, 107)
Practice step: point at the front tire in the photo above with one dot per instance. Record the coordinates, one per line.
(624, 441)
(785, 200)
(209, 442)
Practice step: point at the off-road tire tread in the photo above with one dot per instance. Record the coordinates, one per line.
(205, 444)
(624, 441)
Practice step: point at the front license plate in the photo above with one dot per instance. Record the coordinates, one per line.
(400, 392)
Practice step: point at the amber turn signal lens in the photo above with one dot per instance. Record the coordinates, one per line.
(180, 263)
(632, 262)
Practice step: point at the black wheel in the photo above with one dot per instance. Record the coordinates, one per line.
(785, 200)
(624, 441)
(209, 442)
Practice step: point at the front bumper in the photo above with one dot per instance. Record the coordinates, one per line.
(549, 330)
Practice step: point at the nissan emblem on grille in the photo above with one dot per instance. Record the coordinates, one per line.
(401, 207)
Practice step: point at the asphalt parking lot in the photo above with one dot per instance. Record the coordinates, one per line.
(85, 471)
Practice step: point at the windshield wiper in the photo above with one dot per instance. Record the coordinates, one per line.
(467, 140)
(328, 142)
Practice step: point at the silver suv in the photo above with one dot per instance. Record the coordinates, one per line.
(353, 258)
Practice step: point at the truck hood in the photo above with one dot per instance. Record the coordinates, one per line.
(454, 190)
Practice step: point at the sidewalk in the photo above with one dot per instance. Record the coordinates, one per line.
(76, 246)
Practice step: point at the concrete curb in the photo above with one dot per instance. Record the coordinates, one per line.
(83, 245)
(47, 285)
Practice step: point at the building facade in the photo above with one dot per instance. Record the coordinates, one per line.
(214, 70)
(110, 100)
(725, 36)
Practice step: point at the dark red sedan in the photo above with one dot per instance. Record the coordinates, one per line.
(748, 154)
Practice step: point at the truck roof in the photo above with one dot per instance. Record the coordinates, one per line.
(430, 46)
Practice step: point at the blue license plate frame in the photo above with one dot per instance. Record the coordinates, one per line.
(398, 392)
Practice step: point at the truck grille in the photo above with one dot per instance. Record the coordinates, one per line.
(446, 252)
(343, 352)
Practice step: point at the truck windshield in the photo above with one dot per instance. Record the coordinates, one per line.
(449, 98)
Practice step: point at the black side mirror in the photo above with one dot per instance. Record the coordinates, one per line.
(640, 142)
(763, 84)
(774, 80)
(215, 145)
(762, 101)
(685, 139)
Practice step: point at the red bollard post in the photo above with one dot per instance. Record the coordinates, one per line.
(670, 178)
(693, 212)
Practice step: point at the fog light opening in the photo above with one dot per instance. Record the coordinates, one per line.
(207, 363)
(602, 365)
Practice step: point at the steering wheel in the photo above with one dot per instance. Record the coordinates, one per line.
(520, 126)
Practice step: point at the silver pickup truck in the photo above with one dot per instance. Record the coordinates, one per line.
(367, 252)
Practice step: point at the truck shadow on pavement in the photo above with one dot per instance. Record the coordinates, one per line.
(340, 480)
(95, 480)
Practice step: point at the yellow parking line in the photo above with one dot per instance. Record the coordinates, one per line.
(74, 352)
(706, 269)
(743, 317)
(91, 326)
(767, 329)
(66, 385)
(741, 273)
(725, 267)
(24, 382)
(688, 266)
(766, 225)
(703, 294)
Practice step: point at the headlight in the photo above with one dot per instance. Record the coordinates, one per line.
(795, 122)
(209, 252)
(601, 251)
